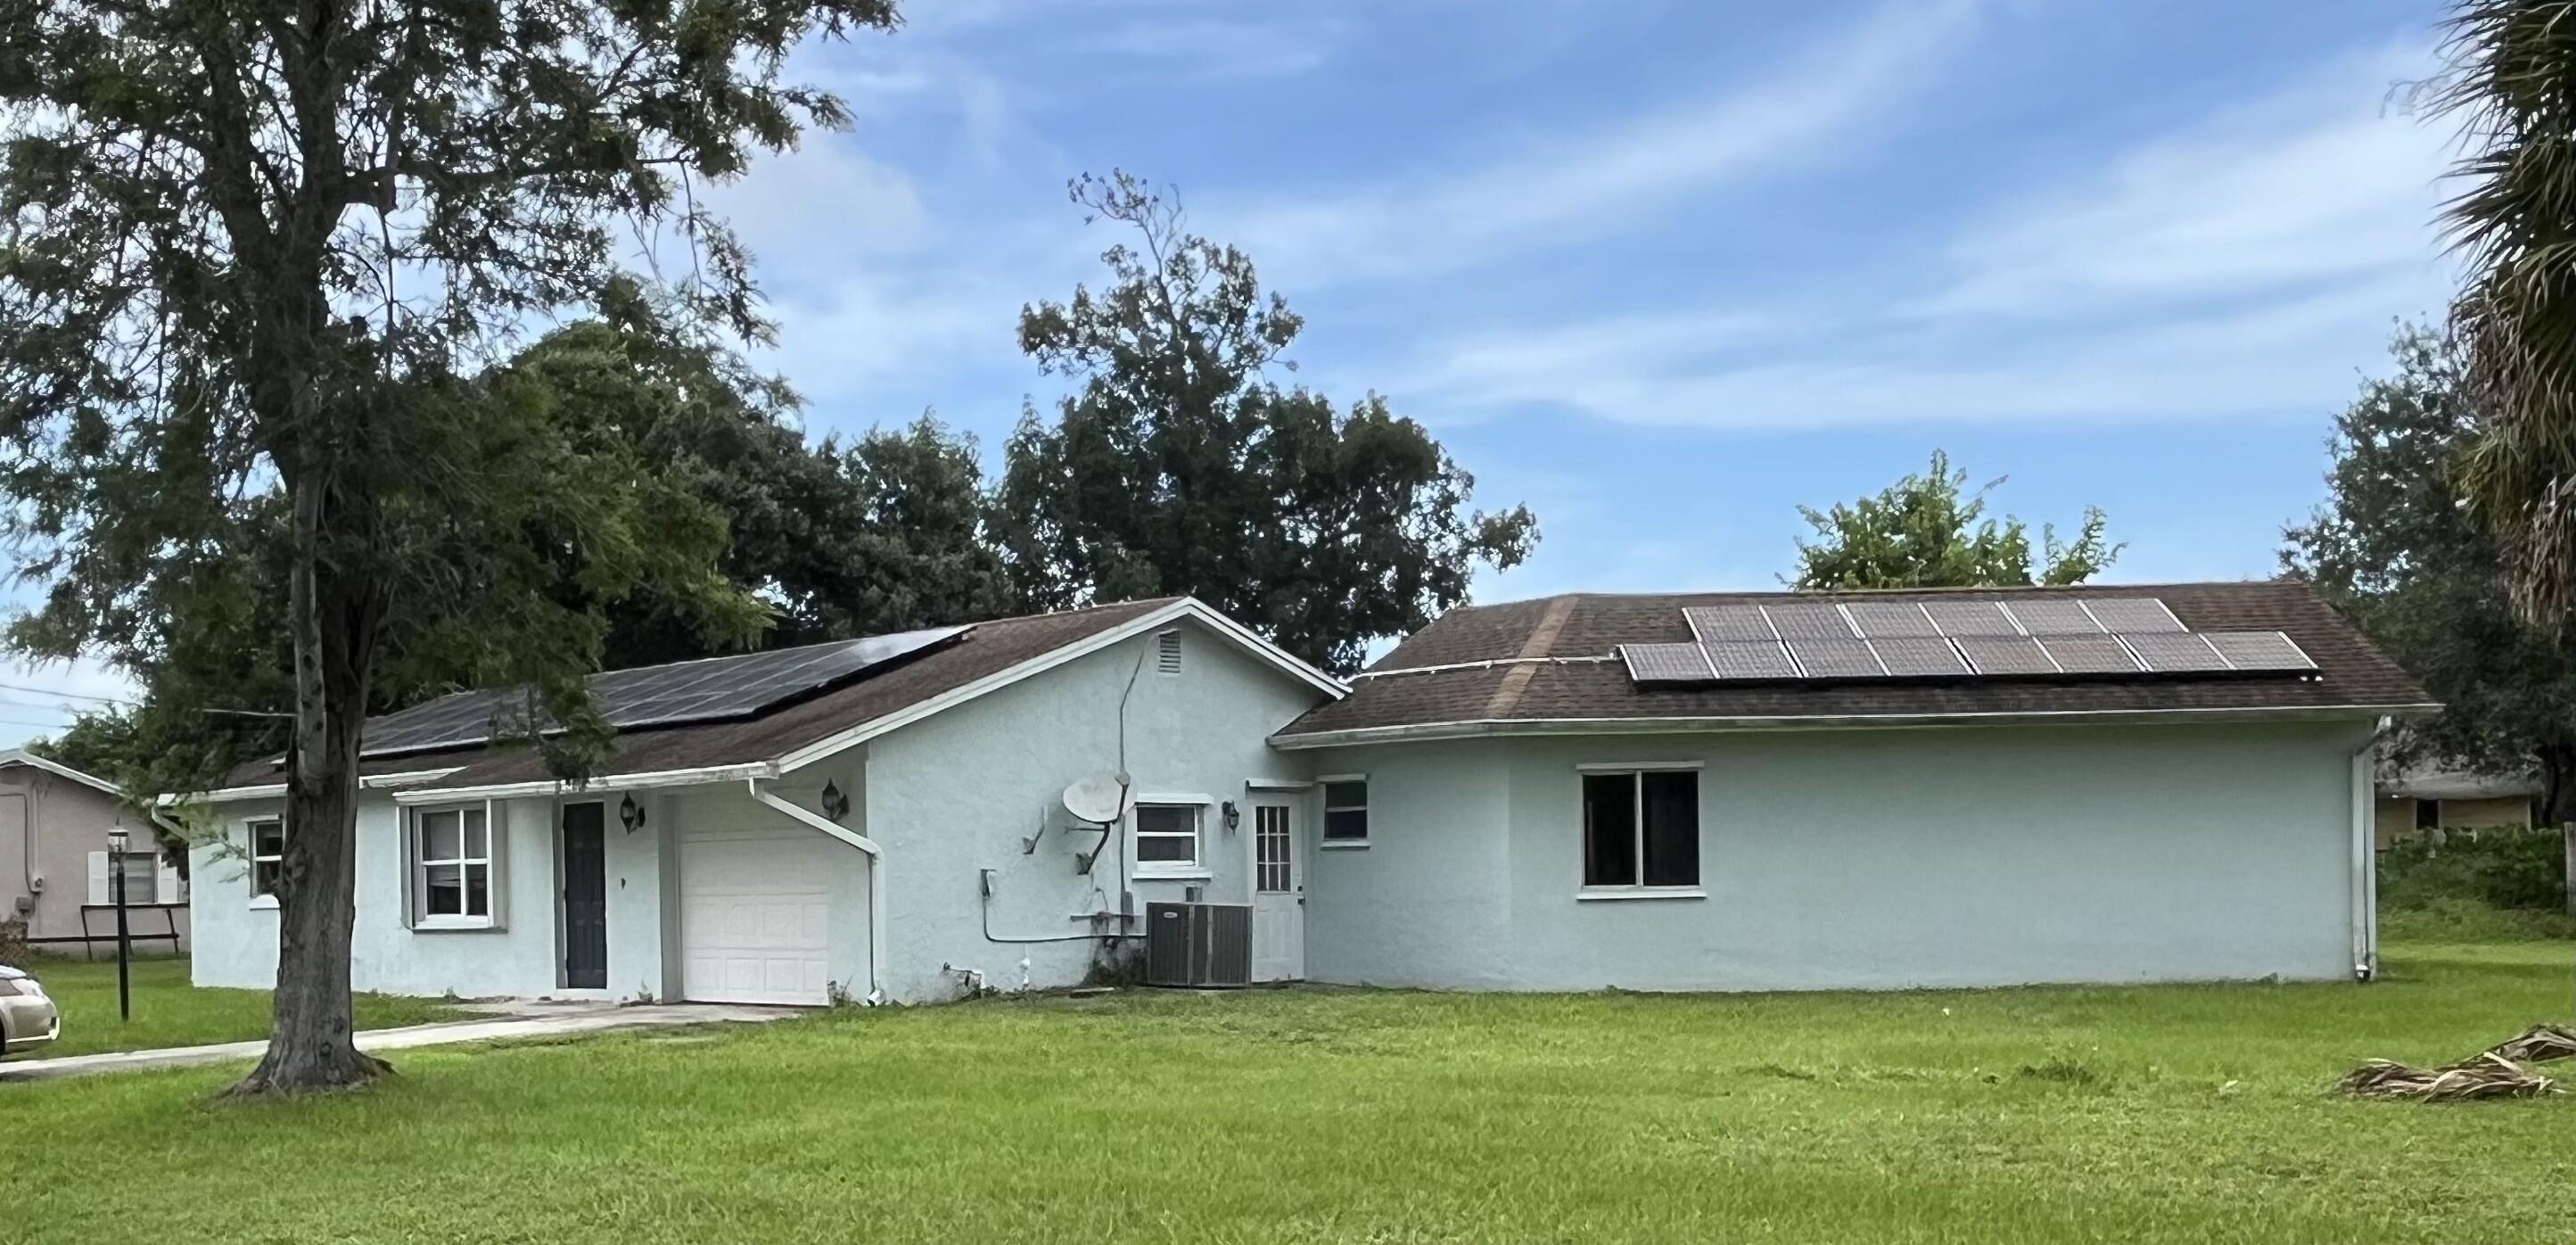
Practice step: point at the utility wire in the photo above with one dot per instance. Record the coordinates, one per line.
(47, 691)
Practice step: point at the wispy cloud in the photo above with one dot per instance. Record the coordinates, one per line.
(1834, 98)
(2243, 265)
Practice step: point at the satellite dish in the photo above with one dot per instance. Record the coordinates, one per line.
(1099, 799)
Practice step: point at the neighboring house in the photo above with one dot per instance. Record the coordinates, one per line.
(2426, 798)
(1569, 793)
(54, 822)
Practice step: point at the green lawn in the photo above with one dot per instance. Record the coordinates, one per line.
(2150, 1114)
(170, 1012)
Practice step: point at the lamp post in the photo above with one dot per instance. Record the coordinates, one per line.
(116, 879)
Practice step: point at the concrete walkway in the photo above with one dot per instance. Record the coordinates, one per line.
(510, 1020)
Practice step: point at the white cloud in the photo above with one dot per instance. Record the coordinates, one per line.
(1215, 49)
(1830, 98)
(2243, 266)
(2320, 182)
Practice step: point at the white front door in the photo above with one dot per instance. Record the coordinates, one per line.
(1278, 896)
(755, 916)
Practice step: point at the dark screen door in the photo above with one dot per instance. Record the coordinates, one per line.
(585, 897)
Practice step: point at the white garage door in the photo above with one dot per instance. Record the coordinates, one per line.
(755, 915)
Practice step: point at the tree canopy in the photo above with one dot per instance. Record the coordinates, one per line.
(1180, 465)
(2397, 550)
(1929, 531)
(2509, 76)
(265, 249)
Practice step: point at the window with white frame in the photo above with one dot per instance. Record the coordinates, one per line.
(267, 856)
(451, 874)
(1641, 830)
(1346, 815)
(142, 872)
(1167, 839)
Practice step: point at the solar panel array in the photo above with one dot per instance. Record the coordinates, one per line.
(2056, 637)
(714, 689)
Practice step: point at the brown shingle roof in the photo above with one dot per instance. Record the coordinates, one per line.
(1583, 625)
(988, 648)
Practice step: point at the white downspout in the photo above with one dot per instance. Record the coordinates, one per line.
(876, 880)
(2365, 856)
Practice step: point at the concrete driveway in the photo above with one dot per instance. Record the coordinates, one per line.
(508, 1020)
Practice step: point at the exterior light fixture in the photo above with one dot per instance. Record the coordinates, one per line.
(1233, 816)
(630, 814)
(835, 803)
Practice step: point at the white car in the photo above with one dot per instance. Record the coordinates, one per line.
(27, 1018)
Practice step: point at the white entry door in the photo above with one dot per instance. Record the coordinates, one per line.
(755, 916)
(1278, 896)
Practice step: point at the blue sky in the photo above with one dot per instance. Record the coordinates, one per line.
(1664, 271)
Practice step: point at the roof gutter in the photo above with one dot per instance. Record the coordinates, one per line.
(1484, 727)
(277, 790)
(606, 782)
(876, 879)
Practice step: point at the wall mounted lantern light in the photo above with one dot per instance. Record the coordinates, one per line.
(835, 803)
(630, 814)
(1233, 816)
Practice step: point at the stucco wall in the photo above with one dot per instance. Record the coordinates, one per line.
(49, 827)
(521, 956)
(958, 792)
(1963, 856)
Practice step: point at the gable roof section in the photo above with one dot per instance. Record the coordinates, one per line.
(1550, 665)
(990, 655)
(20, 756)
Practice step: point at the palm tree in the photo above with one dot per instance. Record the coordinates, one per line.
(2510, 78)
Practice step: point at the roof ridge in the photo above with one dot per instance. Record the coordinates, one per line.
(1915, 590)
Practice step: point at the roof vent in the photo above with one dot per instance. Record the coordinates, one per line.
(1167, 654)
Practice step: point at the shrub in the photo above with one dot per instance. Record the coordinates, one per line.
(2515, 868)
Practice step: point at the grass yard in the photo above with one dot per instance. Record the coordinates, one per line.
(170, 1012)
(2148, 1114)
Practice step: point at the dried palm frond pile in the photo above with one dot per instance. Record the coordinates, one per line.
(2538, 1044)
(2487, 1076)
(2500, 1071)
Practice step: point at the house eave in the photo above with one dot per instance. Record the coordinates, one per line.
(1492, 727)
(277, 790)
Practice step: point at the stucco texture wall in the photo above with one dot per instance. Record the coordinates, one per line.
(958, 793)
(50, 826)
(1947, 857)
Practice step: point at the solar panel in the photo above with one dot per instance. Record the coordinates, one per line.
(1666, 663)
(1914, 657)
(2259, 650)
(1890, 620)
(1751, 659)
(2132, 615)
(1716, 624)
(691, 691)
(1807, 620)
(2088, 654)
(1837, 659)
(2175, 653)
(2006, 654)
(2053, 616)
(1957, 618)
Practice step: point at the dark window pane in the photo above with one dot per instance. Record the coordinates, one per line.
(1346, 795)
(2428, 814)
(444, 890)
(1610, 830)
(1672, 828)
(1166, 819)
(1346, 823)
(478, 890)
(267, 838)
(263, 877)
(1165, 848)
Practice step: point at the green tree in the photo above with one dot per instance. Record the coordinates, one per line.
(2510, 79)
(883, 534)
(1179, 466)
(245, 244)
(1928, 531)
(2397, 551)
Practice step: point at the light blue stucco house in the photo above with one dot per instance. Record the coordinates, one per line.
(1698, 792)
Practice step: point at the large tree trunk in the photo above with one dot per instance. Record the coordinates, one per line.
(332, 617)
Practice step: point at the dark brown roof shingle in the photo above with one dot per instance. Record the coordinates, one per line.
(1591, 626)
